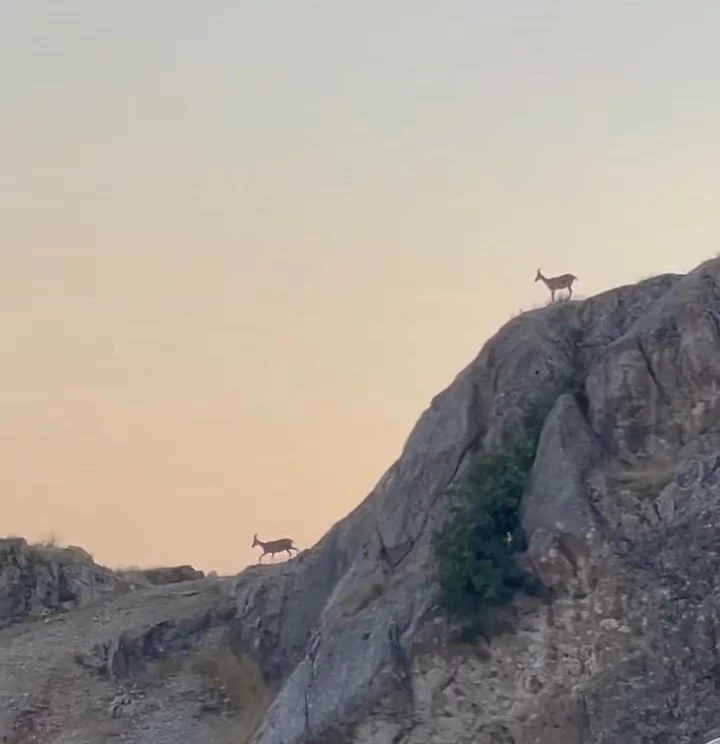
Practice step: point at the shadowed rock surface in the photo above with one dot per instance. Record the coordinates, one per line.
(37, 580)
(622, 517)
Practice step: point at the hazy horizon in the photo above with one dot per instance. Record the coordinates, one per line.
(245, 244)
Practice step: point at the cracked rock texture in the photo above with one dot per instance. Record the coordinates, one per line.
(344, 643)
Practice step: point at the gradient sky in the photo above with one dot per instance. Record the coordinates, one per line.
(244, 243)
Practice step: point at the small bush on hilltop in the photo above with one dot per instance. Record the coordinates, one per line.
(476, 549)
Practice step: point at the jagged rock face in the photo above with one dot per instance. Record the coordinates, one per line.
(37, 580)
(657, 387)
(628, 649)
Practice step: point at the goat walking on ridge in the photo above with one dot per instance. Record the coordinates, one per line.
(284, 544)
(554, 283)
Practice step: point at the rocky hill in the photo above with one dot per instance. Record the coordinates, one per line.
(345, 644)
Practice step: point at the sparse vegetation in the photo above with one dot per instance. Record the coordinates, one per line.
(55, 551)
(51, 540)
(241, 681)
(477, 547)
(643, 475)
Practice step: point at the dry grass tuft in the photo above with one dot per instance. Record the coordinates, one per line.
(51, 548)
(540, 304)
(241, 680)
(51, 540)
(134, 578)
(644, 475)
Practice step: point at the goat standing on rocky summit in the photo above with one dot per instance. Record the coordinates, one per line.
(553, 283)
(274, 546)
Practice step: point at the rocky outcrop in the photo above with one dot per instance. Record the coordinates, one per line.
(657, 387)
(36, 580)
(628, 376)
(129, 653)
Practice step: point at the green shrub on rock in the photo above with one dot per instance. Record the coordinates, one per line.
(476, 549)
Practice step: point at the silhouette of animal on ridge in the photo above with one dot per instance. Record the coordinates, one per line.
(284, 544)
(554, 283)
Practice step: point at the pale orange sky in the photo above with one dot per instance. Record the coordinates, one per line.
(243, 244)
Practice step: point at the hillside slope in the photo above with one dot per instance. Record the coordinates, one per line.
(345, 643)
(86, 674)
